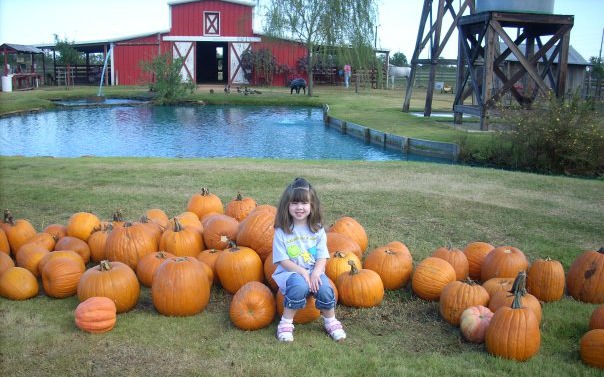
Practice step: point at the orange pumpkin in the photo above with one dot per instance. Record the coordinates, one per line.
(180, 287)
(503, 262)
(430, 277)
(60, 277)
(148, 265)
(220, 230)
(17, 283)
(457, 296)
(17, 232)
(158, 216)
(57, 230)
(29, 257)
(546, 280)
(82, 224)
(393, 262)
(114, 280)
(456, 258)
(75, 244)
(585, 278)
(495, 285)
(238, 265)
(182, 241)
(128, 244)
(240, 207)
(352, 228)
(46, 240)
(4, 245)
(187, 219)
(505, 299)
(269, 270)
(152, 227)
(341, 242)
(204, 202)
(475, 253)
(256, 231)
(97, 242)
(360, 288)
(337, 264)
(60, 254)
(253, 306)
(6, 262)
(596, 321)
(96, 315)
(591, 348)
(209, 257)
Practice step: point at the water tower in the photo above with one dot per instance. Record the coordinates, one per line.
(497, 31)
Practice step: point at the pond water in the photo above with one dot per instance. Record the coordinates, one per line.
(186, 131)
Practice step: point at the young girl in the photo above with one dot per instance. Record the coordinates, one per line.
(300, 249)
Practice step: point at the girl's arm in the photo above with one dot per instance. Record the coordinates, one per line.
(289, 265)
(315, 277)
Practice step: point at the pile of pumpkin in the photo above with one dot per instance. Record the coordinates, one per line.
(210, 243)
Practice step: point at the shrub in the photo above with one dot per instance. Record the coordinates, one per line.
(167, 79)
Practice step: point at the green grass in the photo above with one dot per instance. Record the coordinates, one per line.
(421, 204)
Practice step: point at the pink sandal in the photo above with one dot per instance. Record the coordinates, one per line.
(285, 332)
(336, 331)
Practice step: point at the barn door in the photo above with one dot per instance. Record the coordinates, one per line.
(236, 71)
(184, 50)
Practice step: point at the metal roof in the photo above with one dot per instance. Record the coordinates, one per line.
(15, 48)
(574, 58)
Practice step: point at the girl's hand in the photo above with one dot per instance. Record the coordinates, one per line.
(315, 281)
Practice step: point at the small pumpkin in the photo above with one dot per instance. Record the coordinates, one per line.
(360, 288)
(17, 283)
(253, 306)
(96, 315)
(75, 244)
(352, 228)
(60, 277)
(158, 216)
(209, 257)
(17, 232)
(29, 257)
(585, 278)
(475, 253)
(204, 202)
(219, 231)
(6, 262)
(514, 331)
(546, 280)
(457, 296)
(182, 241)
(82, 224)
(114, 280)
(393, 262)
(4, 245)
(596, 321)
(431, 276)
(474, 322)
(495, 285)
(57, 230)
(337, 264)
(591, 348)
(240, 207)
(238, 265)
(342, 242)
(148, 265)
(503, 262)
(97, 242)
(46, 240)
(456, 258)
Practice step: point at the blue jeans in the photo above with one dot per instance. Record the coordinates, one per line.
(297, 290)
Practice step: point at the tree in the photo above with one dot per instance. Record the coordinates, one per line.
(399, 59)
(334, 27)
(597, 73)
(67, 56)
(168, 82)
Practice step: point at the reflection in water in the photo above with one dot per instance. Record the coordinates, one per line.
(186, 131)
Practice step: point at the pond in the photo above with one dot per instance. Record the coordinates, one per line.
(186, 131)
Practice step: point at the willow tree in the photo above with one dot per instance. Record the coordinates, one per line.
(344, 30)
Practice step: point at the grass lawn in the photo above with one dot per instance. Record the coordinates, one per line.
(423, 205)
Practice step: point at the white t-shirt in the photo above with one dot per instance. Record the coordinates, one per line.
(302, 246)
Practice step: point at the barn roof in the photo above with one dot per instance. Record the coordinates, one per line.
(241, 2)
(574, 58)
(15, 48)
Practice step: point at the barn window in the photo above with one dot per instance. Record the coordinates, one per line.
(211, 23)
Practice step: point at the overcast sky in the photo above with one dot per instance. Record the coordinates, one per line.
(36, 21)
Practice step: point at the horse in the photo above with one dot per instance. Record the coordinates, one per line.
(394, 71)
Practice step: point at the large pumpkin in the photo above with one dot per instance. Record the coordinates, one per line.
(82, 224)
(256, 231)
(342, 242)
(17, 283)
(585, 279)
(457, 296)
(219, 231)
(60, 254)
(204, 202)
(505, 299)
(17, 232)
(514, 331)
(270, 268)
(60, 277)
(475, 253)
(182, 241)
(180, 287)
(360, 288)
(238, 265)
(546, 280)
(96, 315)
(456, 258)
(114, 280)
(503, 262)
(596, 321)
(352, 228)
(591, 348)
(393, 262)
(252, 307)
(430, 277)
(240, 207)
(148, 265)
(474, 322)
(128, 244)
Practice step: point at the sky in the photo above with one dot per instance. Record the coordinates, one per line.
(36, 22)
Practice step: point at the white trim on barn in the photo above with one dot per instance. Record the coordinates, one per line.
(237, 75)
(179, 38)
(183, 50)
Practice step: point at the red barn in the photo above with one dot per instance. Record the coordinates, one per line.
(210, 36)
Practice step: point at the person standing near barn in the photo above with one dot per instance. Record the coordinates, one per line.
(347, 73)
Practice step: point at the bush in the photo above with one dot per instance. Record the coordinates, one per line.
(167, 79)
(559, 136)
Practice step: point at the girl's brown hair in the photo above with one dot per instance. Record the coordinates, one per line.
(300, 190)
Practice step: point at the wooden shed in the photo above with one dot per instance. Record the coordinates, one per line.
(211, 37)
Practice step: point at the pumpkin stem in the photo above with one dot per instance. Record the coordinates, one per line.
(233, 246)
(127, 224)
(339, 254)
(519, 289)
(8, 217)
(469, 281)
(177, 225)
(118, 216)
(353, 267)
(105, 265)
(205, 191)
(601, 251)
(145, 219)
(239, 197)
